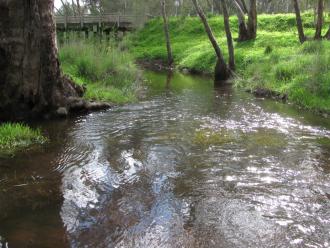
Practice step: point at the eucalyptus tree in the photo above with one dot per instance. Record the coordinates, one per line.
(167, 34)
(319, 22)
(247, 30)
(228, 35)
(222, 72)
(327, 35)
(30, 75)
(301, 33)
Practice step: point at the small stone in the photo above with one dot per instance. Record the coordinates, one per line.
(62, 112)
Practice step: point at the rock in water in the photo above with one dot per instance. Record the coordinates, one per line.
(62, 112)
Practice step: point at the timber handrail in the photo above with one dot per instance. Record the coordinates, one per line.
(116, 19)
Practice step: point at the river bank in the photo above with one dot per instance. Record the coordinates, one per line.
(190, 165)
(108, 73)
(274, 62)
(275, 65)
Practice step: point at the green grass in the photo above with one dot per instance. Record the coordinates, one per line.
(16, 136)
(108, 72)
(275, 60)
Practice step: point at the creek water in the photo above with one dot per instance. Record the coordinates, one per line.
(188, 166)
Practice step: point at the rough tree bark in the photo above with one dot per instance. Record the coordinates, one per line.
(302, 37)
(319, 22)
(229, 36)
(170, 59)
(222, 71)
(31, 84)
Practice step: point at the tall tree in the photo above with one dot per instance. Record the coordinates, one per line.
(319, 22)
(247, 31)
(167, 34)
(229, 35)
(244, 6)
(31, 83)
(302, 37)
(222, 71)
(242, 28)
(252, 20)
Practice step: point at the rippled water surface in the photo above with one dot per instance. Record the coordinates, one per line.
(189, 166)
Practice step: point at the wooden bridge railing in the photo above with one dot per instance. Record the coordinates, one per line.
(105, 20)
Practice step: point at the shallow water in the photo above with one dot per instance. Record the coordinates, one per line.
(189, 166)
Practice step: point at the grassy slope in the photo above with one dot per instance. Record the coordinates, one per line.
(108, 73)
(275, 60)
(14, 137)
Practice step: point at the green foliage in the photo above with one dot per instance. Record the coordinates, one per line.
(275, 60)
(108, 72)
(15, 136)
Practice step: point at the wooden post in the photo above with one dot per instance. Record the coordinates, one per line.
(65, 21)
(86, 34)
(81, 21)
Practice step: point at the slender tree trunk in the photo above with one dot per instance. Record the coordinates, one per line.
(167, 34)
(244, 6)
(252, 21)
(302, 37)
(319, 22)
(221, 71)
(79, 8)
(327, 35)
(229, 36)
(73, 8)
(243, 34)
(31, 83)
(65, 8)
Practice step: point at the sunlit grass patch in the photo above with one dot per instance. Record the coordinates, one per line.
(99, 92)
(108, 72)
(16, 136)
(275, 60)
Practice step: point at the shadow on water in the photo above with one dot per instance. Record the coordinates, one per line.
(189, 166)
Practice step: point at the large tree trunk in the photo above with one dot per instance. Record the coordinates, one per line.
(229, 36)
(221, 70)
(302, 37)
(167, 34)
(319, 22)
(31, 84)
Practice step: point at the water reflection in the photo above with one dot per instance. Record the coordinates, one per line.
(135, 176)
